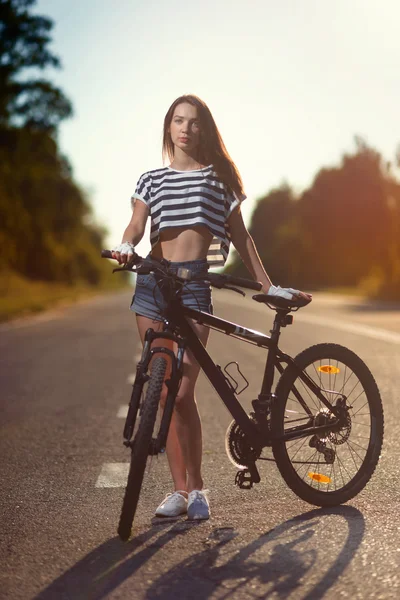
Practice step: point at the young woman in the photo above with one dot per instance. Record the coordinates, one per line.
(194, 205)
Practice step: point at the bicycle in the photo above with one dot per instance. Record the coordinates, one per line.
(324, 421)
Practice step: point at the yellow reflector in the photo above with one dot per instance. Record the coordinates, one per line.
(319, 477)
(328, 369)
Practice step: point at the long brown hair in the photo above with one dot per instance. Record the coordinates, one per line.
(211, 148)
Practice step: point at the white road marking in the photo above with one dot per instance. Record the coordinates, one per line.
(123, 411)
(372, 332)
(113, 475)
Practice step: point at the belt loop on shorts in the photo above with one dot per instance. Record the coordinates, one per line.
(162, 261)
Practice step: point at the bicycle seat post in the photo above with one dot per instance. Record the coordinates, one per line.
(263, 402)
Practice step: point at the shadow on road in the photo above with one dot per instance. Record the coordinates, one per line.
(106, 567)
(290, 555)
(292, 558)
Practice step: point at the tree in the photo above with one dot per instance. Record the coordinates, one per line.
(46, 228)
(35, 102)
(272, 225)
(344, 230)
(346, 214)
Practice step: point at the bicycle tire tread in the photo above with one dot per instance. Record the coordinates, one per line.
(140, 449)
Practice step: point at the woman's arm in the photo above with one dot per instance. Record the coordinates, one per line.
(245, 246)
(135, 229)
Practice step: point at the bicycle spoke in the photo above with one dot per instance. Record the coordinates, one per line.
(352, 442)
(298, 450)
(344, 467)
(295, 401)
(340, 469)
(331, 463)
(355, 413)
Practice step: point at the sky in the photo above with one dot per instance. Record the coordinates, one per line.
(289, 82)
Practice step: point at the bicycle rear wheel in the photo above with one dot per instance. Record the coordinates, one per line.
(141, 445)
(329, 468)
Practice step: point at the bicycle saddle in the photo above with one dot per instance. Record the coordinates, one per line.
(281, 303)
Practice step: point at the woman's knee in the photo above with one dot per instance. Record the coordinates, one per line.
(184, 401)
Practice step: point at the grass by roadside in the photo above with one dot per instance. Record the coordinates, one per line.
(21, 297)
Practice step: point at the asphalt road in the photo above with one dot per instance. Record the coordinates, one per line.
(64, 381)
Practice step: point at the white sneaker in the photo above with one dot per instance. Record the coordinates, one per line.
(198, 506)
(173, 505)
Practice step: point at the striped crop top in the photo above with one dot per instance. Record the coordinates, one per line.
(188, 198)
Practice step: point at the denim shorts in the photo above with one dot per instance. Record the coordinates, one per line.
(148, 300)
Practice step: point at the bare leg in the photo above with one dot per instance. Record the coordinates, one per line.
(188, 424)
(176, 461)
(184, 444)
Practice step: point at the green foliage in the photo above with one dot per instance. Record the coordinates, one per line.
(23, 45)
(20, 296)
(47, 231)
(342, 231)
(44, 216)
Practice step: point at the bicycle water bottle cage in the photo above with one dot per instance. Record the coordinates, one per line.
(235, 383)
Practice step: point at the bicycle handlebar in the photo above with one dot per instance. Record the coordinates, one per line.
(216, 279)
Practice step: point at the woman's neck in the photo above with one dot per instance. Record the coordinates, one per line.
(184, 162)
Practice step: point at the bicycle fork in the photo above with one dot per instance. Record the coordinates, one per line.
(142, 376)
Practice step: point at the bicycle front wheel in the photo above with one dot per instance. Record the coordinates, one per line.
(141, 446)
(329, 468)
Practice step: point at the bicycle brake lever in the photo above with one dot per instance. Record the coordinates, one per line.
(127, 267)
(228, 287)
(142, 267)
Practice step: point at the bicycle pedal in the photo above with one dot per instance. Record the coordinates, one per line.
(244, 480)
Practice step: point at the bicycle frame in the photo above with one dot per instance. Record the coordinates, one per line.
(176, 319)
(271, 422)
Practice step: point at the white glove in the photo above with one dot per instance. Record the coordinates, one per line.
(287, 293)
(125, 248)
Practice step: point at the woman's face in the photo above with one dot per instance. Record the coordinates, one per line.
(185, 127)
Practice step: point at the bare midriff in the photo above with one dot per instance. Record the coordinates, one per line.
(178, 244)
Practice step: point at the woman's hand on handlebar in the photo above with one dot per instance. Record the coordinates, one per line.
(123, 253)
(287, 293)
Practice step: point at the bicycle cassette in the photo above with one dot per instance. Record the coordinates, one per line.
(239, 451)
